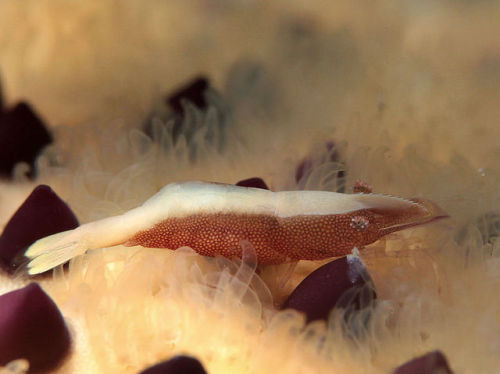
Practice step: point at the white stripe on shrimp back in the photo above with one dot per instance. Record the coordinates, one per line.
(184, 199)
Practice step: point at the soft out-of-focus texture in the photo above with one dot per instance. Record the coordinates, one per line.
(406, 92)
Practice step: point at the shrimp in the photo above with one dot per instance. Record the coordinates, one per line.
(213, 218)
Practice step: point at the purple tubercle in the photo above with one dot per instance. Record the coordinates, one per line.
(303, 169)
(329, 153)
(177, 365)
(43, 213)
(431, 363)
(253, 182)
(194, 92)
(341, 283)
(32, 327)
(22, 136)
(2, 104)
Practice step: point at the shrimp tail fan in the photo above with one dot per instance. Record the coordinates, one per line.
(54, 250)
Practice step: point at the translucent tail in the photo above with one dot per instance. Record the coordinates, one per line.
(54, 250)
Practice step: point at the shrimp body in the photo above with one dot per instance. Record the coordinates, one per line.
(213, 218)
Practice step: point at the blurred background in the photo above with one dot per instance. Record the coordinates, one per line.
(306, 95)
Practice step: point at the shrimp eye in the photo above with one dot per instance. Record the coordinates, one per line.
(359, 223)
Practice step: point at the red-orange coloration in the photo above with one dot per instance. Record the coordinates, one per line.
(276, 239)
(362, 187)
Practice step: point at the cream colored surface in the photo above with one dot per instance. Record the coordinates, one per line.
(407, 91)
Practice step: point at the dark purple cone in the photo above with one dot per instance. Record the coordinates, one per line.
(303, 169)
(2, 104)
(43, 213)
(342, 283)
(253, 182)
(194, 92)
(330, 154)
(22, 137)
(177, 365)
(431, 363)
(32, 327)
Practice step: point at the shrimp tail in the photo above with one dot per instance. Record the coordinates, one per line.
(55, 250)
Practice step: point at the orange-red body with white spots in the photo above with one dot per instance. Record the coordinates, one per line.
(275, 239)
